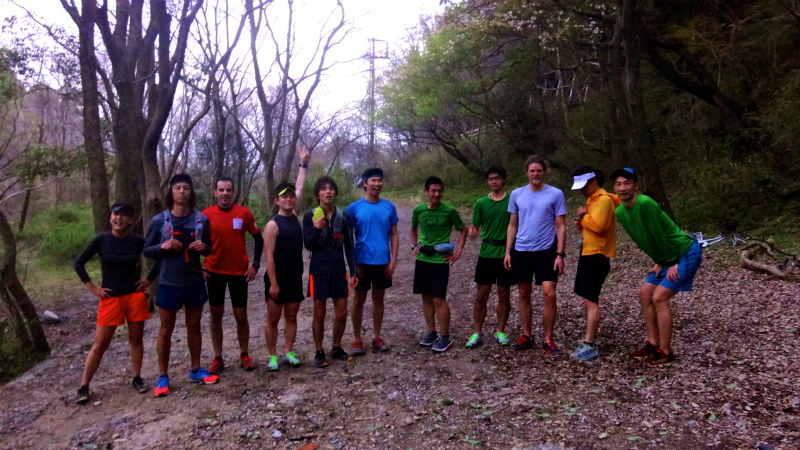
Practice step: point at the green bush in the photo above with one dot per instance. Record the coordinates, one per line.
(60, 233)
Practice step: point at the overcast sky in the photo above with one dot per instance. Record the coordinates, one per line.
(380, 19)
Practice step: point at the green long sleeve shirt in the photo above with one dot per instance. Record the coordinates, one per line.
(653, 231)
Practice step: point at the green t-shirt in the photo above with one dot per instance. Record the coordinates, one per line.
(492, 218)
(653, 231)
(435, 226)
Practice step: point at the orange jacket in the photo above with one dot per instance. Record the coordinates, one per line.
(598, 224)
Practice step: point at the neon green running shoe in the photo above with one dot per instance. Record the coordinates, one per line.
(502, 339)
(474, 341)
(291, 359)
(273, 363)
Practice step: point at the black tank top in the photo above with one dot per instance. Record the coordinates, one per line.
(288, 245)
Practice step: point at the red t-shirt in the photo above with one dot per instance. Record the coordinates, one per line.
(228, 250)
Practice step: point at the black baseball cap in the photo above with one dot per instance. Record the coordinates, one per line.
(122, 207)
(181, 178)
(627, 173)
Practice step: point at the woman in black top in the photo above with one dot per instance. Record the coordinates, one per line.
(283, 250)
(121, 293)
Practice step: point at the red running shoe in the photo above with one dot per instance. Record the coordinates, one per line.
(660, 357)
(524, 343)
(645, 351)
(216, 367)
(247, 363)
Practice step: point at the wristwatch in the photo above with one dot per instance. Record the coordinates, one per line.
(580, 217)
(303, 165)
(562, 254)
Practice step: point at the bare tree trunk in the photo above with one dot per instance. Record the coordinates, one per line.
(92, 133)
(644, 142)
(23, 216)
(15, 296)
(616, 141)
(220, 125)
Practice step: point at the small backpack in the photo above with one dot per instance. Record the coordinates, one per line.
(167, 230)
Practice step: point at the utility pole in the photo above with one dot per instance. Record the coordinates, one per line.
(372, 56)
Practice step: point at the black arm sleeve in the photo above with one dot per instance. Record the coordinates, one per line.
(349, 248)
(206, 237)
(258, 250)
(154, 271)
(80, 262)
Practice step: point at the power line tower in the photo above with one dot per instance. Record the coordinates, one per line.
(372, 55)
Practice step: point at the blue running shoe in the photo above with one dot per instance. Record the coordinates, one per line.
(201, 375)
(585, 352)
(162, 387)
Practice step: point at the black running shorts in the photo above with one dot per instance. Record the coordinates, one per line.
(322, 286)
(491, 271)
(592, 272)
(526, 265)
(372, 276)
(291, 288)
(431, 278)
(237, 285)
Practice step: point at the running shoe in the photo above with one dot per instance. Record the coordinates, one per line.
(246, 362)
(138, 385)
(442, 344)
(524, 343)
(216, 367)
(380, 346)
(429, 338)
(339, 353)
(200, 375)
(474, 341)
(83, 395)
(579, 342)
(660, 357)
(357, 349)
(550, 348)
(502, 339)
(645, 351)
(319, 360)
(162, 386)
(291, 359)
(272, 365)
(585, 352)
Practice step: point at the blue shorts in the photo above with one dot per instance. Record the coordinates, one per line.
(687, 269)
(173, 298)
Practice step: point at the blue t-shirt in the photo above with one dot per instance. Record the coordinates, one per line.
(372, 224)
(537, 212)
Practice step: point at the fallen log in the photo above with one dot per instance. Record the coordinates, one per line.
(747, 259)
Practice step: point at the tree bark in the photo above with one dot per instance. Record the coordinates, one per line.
(14, 294)
(651, 179)
(23, 216)
(92, 133)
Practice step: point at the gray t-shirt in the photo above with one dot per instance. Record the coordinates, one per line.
(178, 267)
(537, 212)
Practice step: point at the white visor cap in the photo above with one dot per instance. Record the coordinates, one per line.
(580, 181)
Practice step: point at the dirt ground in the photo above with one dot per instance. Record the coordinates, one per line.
(735, 385)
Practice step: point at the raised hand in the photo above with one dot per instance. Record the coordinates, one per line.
(304, 154)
